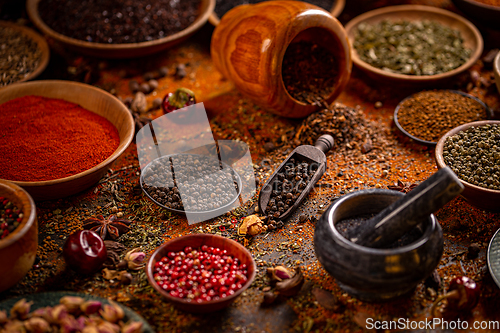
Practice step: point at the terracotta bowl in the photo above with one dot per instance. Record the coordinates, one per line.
(470, 34)
(92, 99)
(125, 50)
(482, 13)
(39, 40)
(196, 241)
(477, 196)
(337, 8)
(18, 249)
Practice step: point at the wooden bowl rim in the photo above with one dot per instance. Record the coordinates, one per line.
(489, 113)
(393, 11)
(28, 210)
(336, 9)
(123, 145)
(440, 146)
(481, 5)
(32, 10)
(42, 45)
(187, 238)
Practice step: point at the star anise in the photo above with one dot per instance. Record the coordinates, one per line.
(401, 186)
(111, 226)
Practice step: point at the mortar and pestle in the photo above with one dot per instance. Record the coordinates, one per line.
(250, 42)
(379, 244)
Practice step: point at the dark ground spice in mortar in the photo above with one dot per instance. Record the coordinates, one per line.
(309, 72)
(223, 6)
(118, 21)
(344, 226)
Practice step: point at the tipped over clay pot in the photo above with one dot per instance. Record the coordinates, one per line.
(374, 274)
(250, 42)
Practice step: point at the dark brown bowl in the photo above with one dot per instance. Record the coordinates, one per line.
(196, 241)
(477, 196)
(482, 13)
(124, 50)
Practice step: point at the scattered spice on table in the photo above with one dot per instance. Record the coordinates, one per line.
(405, 47)
(51, 138)
(117, 21)
(427, 115)
(474, 155)
(309, 72)
(10, 217)
(19, 56)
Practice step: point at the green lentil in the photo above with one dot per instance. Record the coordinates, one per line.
(474, 155)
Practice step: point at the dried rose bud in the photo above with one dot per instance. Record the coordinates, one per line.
(90, 329)
(112, 312)
(3, 317)
(70, 324)
(20, 310)
(90, 307)
(135, 259)
(58, 313)
(72, 303)
(107, 327)
(279, 273)
(37, 325)
(132, 327)
(14, 326)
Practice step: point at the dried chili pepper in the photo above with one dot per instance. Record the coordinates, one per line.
(463, 295)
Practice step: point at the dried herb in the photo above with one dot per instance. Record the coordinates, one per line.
(413, 48)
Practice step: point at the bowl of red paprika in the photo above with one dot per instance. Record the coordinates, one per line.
(60, 137)
(18, 234)
(201, 273)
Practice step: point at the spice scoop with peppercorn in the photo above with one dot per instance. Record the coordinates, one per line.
(292, 181)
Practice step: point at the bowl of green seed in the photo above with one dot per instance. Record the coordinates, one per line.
(413, 44)
(472, 151)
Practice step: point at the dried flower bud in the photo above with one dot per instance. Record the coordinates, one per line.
(132, 327)
(279, 273)
(290, 287)
(3, 317)
(72, 303)
(135, 259)
(69, 324)
(90, 329)
(58, 313)
(107, 327)
(20, 310)
(37, 325)
(112, 312)
(14, 326)
(90, 307)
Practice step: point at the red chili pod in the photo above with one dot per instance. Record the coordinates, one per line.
(463, 295)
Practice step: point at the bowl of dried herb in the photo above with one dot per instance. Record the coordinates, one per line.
(472, 151)
(106, 30)
(25, 53)
(18, 234)
(399, 44)
(63, 136)
(427, 115)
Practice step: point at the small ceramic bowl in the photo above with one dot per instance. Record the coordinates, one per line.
(125, 50)
(489, 115)
(195, 241)
(480, 197)
(92, 99)
(471, 36)
(337, 8)
(18, 249)
(483, 14)
(374, 274)
(496, 70)
(41, 43)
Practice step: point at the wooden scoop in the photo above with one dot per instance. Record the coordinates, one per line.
(304, 153)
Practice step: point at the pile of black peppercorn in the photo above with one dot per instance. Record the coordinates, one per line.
(194, 183)
(286, 189)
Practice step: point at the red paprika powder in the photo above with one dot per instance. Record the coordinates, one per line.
(46, 138)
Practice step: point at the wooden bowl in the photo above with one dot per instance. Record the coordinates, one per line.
(125, 50)
(250, 42)
(18, 249)
(471, 36)
(496, 70)
(477, 196)
(196, 241)
(92, 99)
(337, 8)
(41, 43)
(483, 14)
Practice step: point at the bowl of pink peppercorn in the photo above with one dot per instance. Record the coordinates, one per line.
(201, 273)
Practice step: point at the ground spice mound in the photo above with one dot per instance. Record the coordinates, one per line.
(344, 123)
(45, 138)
